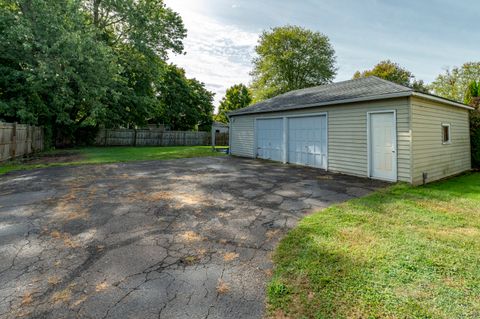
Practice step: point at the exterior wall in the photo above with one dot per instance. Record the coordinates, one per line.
(430, 155)
(347, 135)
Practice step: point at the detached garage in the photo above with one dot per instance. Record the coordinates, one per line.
(365, 127)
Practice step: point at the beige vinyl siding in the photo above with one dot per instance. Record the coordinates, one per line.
(430, 155)
(347, 134)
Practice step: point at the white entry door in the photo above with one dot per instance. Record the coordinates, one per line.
(270, 143)
(382, 150)
(307, 141)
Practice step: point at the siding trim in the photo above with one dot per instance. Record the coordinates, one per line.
(369, 146)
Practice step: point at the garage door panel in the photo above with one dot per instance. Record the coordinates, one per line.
(307, 141)
(270, 143)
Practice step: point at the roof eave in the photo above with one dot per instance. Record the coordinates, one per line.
(442, 100)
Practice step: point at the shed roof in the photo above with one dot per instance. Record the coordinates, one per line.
(219, 124)
(357, 90)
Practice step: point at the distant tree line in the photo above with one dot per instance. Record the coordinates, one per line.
(73, 66)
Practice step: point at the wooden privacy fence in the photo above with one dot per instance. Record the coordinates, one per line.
(19, 140)
(152, 137)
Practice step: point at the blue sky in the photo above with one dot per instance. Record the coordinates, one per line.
(426, 37)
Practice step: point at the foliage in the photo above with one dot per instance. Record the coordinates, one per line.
(75, 65)
(472, 97)
(53, 71)
(461, 84)
(101, 155)
(183, 103)
(398, 253)
(237, 96)
(393, 72)
(454, 82)
(147, 25)
(290, 58)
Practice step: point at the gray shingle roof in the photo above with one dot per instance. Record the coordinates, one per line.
(340, 92)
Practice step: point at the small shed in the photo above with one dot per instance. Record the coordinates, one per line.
(219, 127)
(219, 136)
(364, 127)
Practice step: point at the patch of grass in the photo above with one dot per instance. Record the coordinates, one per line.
(102, 155)
(403, 252)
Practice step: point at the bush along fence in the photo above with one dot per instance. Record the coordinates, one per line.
(152, 137)
(19, 140)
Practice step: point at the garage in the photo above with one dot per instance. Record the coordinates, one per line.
(366, 127)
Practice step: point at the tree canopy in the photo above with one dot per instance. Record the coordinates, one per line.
(237, 96)
(290, 58)
(393, 72)
(183, 103)
(73, 64)
(453, 84)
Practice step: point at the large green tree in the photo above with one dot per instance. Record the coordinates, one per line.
(73, 64)
(393, 72)
(148, 25)
(237, 97)
(141, 33)
(184, 104)
(53, 71)
(453, 83)
(290, 58)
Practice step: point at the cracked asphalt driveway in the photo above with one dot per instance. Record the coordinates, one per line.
(187, 238)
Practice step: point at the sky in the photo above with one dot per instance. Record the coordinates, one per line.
(426, 37)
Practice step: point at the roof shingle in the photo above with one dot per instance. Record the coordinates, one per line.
(372, 86)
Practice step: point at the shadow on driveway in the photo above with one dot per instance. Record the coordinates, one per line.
(186, 238)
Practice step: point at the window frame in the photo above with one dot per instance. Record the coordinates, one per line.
(449, 141)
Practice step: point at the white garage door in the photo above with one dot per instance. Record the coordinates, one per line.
(307, 141)
(270, 139)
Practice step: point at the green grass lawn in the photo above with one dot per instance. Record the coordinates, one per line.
(99, 155)
(404, 252)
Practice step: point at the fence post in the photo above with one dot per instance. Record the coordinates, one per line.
(28, 149)
(134, 137)
(105, 138)
(13, 140)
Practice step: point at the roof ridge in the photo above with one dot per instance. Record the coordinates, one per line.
(391, 82)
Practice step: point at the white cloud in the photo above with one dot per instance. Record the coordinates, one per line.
(217, 54)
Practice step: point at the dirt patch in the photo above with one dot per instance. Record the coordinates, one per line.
(190, 236)
(230, 256)
(222, 287)
(61, 157)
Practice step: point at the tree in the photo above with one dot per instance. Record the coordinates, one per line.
(184, 104)
(290, 58)
(454, 82)
(73, 64)
(53, 72)
(472, 97)
(147, 25)
(237, 96)
(141, 33)
(393, 72)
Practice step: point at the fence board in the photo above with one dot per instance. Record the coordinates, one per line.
(19, 140)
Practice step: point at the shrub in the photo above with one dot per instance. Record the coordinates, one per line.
(475, 137)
